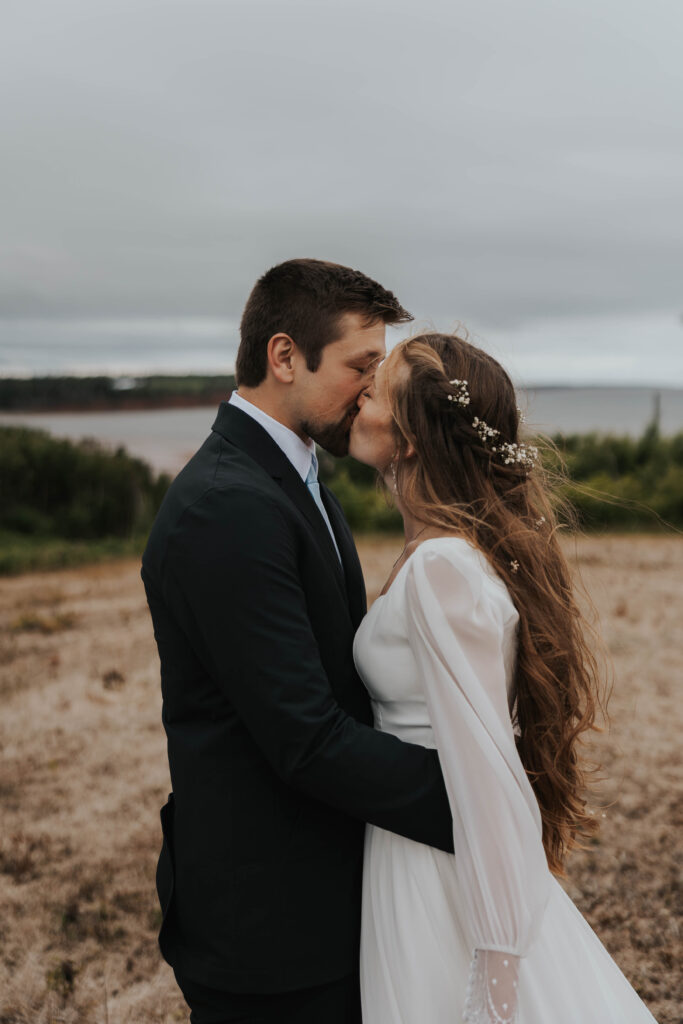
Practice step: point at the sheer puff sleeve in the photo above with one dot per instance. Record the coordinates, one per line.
(458, 613)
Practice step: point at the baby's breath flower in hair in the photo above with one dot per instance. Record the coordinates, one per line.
(522, 454)
(486, 433)
(462, 397)
(511, 453)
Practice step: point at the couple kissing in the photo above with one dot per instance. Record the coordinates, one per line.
(370, 808)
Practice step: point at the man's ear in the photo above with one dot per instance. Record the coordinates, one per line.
(281, 350)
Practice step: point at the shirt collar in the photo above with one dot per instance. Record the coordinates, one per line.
(300, 453)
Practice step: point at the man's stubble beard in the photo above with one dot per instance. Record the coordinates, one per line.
(333, 437)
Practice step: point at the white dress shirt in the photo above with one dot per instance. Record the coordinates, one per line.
(300, 453)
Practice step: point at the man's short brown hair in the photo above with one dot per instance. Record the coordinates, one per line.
(307, 299)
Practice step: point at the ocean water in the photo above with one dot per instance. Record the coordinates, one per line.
(607, 410)
(167, 437)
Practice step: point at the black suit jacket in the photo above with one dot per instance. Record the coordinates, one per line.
(274, 762)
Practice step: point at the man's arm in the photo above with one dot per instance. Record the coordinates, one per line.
(231, 568)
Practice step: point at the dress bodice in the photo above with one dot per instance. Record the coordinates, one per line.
(385, 661)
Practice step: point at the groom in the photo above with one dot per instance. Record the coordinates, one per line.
(255, 591)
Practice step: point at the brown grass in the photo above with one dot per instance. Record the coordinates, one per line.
(32, 622)
(83, 774)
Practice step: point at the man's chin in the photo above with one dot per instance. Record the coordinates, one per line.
(337, 445)
(333, 438)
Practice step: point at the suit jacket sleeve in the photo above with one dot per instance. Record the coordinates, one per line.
(231, 575)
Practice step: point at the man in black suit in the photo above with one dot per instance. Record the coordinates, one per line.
(255, 591)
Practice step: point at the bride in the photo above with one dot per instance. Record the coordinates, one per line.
(475, 647)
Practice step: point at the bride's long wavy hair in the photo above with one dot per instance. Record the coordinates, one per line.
(457, 483)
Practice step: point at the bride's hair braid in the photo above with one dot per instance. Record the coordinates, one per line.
(460, 482)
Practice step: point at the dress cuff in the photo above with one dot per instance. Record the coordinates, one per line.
(492, 988)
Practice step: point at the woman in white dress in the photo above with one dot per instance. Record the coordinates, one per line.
(476, 647)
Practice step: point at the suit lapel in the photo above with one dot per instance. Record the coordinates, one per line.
(353, 573)
(241, 430)
(298, 492)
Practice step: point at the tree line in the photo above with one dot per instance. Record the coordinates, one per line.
(610, 482)
(62, 496)
(43, 394)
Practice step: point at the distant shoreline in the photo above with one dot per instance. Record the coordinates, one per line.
(125, 404)
(54, 394)
(36, 395)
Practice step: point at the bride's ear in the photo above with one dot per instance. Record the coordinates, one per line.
(410, 452)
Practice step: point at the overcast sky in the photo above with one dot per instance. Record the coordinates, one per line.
(506, 163)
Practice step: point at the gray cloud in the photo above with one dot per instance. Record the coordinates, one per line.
(489, 160)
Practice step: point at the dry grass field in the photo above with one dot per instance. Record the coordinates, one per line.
(83, 773)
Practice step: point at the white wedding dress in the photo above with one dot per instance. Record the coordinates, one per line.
(487, 935)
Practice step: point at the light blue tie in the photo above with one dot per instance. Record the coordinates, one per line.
(314, 488)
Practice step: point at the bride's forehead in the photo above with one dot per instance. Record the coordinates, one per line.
(394, 369)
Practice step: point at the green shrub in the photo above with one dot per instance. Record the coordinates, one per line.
(24, 553)
(618, 483)
(621, 482)
(52, 487)
(65, 504)
(365, 506)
